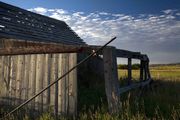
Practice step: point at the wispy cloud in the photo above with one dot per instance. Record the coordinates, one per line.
(149, 33)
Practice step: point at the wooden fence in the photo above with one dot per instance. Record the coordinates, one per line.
(113, 90)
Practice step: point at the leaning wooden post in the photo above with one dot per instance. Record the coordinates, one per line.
(141, 70)
(129, 70)
(145, 70)
(111, 79)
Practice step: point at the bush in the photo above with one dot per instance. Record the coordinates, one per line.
(124, 66)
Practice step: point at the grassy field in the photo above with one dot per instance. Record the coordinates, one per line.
(160, 100)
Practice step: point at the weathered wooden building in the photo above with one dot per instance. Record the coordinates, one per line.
(36, 50)
(22, 76)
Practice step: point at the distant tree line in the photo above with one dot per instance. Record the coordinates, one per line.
(124, 66)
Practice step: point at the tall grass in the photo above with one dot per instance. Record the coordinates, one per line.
(160, 100)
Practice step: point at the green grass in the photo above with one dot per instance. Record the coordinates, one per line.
(160, 100)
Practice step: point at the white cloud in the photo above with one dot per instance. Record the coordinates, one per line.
(39, 10)
(147, 33)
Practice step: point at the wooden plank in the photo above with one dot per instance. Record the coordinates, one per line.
(13, 79)
(134, 85)
(56, 85)
(3, 86)
(45, 81)
(52, 78)
(129, 71)
(26, 76)
(6, 78)
(49, 79)
(59, 83)
(141, 70)
(19, 79)
(72, 110)
(66, 84)
(40, 50)
(63, 85)
(39, 81)
(111, 79)
(145, 70)
(148, 71)
(23, 80)
(32, 78)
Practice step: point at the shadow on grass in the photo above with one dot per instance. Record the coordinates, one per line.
(161, 98)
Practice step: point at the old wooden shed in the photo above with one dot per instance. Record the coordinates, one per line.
(36, 50)
(22, 76)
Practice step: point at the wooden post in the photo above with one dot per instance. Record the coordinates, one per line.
(141, 70)
(145, 70)
(129, 71)
(111, 79)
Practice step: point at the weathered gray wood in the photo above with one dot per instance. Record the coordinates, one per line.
(49, 79)
(59, 83)
(141, 70)
(6, 77)
(129, 71)
(148, 70)
(2, 88)
(19, 78)
(64, 84)
(23, 80)
(52, 78)
(111, 79)
(11, 79)
(32, 78)
(72, 110)
(134, 85)
(45, 82)
(39, 83)
(26, 76)
(145, 70)
(56, 85)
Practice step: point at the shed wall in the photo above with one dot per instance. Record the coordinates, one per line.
(22, 76)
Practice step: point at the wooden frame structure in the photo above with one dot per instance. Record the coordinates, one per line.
(31, 47)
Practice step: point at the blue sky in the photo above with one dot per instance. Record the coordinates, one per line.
(112, 6)
(148, 26)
